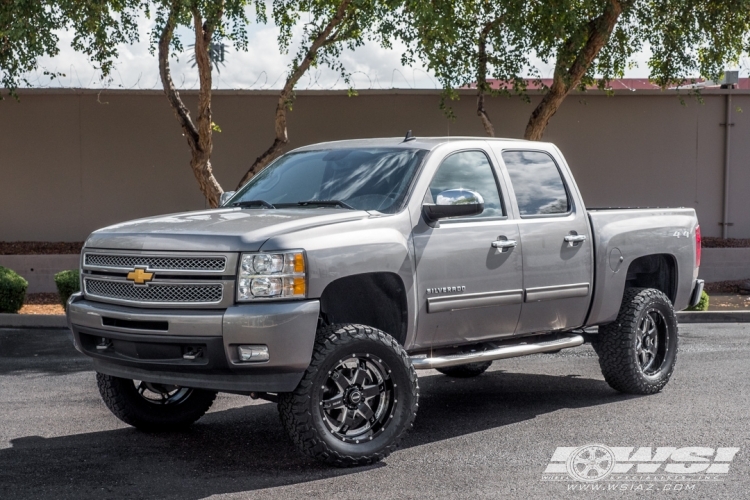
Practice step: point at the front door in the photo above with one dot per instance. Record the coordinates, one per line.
(468, 289)
(557, 246)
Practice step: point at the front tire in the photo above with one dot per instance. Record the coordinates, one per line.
(153, 407)
(466, 371)
(356, 400)
(638, 351)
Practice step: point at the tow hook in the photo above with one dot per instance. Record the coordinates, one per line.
(193, 354)
(104, 344)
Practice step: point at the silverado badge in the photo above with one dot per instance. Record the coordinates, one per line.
(140, 276)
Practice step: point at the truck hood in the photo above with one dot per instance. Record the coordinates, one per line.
(230, 229)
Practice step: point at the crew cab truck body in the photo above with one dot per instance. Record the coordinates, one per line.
(343, 267)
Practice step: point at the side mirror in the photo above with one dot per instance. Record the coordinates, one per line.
(453, 203)
(224, 198)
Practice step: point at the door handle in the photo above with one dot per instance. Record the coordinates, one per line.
(504, 244)
(572, 239)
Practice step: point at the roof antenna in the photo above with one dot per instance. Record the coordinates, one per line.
(409, 137)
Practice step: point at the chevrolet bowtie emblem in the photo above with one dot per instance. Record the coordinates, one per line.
(140, 276)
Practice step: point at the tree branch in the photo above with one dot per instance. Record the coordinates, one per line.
(286, 96)
(180, 110)
(567, 77)
(203, 36)
(199, 138)
(482, 85)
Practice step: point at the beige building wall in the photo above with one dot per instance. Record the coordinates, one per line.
(73, 161)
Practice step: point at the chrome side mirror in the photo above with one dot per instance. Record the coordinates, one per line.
(453, 203)
(225, 196)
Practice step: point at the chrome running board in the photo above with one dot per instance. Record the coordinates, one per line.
(503, 352)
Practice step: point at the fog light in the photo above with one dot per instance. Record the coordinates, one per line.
(253, 352)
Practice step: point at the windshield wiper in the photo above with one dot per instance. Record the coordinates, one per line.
(325, 203)
(253, 203)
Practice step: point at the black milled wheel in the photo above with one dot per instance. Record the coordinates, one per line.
(637, 352)
(466, 371)
(153, 407)
(356, 400)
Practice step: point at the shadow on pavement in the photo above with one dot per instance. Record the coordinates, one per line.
(40, 351)
(245, 449)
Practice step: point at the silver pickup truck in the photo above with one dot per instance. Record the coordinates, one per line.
(343, 267)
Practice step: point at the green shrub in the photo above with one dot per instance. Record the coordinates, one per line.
(12, 291)
(68, 283)
(702, 304)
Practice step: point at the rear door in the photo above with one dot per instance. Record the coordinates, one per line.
(468, 290)
(557, 244)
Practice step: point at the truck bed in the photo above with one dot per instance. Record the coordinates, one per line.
(623, 236)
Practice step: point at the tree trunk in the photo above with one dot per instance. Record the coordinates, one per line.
(568, 78)
(286, 96)
(482, 86)
(486, 122)
(199, 138)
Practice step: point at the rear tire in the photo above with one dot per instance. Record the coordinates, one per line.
(153, 407)
(638, 351)
(356, 400)
(466, 371)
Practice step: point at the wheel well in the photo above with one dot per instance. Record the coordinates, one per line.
(373, 299)
(654, 271)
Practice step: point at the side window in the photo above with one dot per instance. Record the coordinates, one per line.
(468, 170)
(537, 182)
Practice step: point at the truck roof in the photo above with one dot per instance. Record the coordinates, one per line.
(427, 143)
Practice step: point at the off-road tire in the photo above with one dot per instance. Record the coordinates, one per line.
(466, 371)
(301, 410)
(122, 399)
(616, 343)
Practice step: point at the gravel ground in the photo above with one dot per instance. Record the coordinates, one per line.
(488, 437)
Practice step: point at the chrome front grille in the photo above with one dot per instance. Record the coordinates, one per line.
(154, 293)
(155, 263)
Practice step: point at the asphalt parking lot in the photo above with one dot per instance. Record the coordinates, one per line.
(488, 437)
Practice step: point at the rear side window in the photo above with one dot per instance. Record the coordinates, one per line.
(537, 182)
(468, 170)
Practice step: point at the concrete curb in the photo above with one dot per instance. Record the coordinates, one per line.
(33, 321)
(714, 316)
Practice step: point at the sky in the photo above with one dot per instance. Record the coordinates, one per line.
(261, 67)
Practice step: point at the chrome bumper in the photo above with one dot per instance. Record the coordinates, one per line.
(696, 295)
(160, 345)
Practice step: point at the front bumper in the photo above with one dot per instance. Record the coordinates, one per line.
(160, 345)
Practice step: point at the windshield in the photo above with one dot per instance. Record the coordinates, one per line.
(364, 179)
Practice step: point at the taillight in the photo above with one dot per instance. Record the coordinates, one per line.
(697, 246)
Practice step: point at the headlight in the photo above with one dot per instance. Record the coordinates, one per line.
(272, 275)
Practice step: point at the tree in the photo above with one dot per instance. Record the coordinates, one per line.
(330, 26)
(588, 42)
(687, 39)
(215, 55)
(466, 42)
(586, 27)
(211, 21)
(27, 32)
